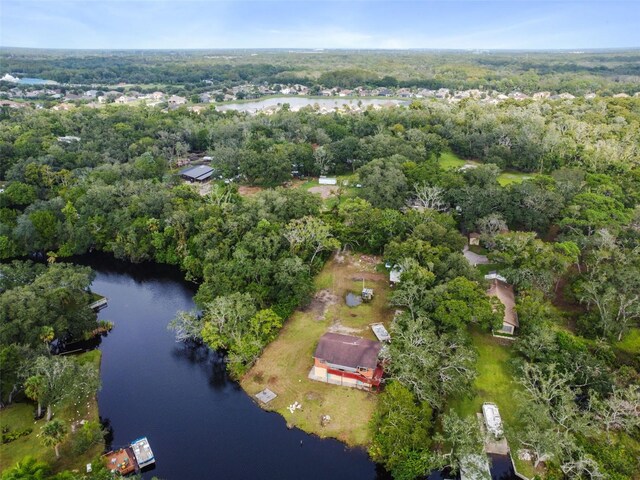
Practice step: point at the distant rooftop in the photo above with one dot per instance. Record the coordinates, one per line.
(199, 172)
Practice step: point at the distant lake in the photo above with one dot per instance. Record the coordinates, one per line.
(36, 81)
(297, 102)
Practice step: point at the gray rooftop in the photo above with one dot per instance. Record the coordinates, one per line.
(348, 351)
(199, 172)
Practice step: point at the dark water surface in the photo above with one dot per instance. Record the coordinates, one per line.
(200, 424)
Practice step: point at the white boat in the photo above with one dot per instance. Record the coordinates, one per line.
(492, 418)
(142, 451)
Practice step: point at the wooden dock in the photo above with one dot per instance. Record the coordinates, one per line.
(121, 461)
(98, 304)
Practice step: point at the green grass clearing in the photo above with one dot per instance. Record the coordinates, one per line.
(286, 362)
(449, 161)
(20, 416)
(630, 343)
(495, 384)
(509, 177)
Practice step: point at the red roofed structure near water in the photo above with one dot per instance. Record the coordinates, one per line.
(347, 361)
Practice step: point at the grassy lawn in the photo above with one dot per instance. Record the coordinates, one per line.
(630, 343)
(449, 161)
(20, 416)
(495, 384)
(330, 200)
(507, 178)
(487, 268)
(286, 362)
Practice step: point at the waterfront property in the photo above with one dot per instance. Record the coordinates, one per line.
(347, 361)
(131, 458)
(121, 461)
(199, 173)
(285, 363)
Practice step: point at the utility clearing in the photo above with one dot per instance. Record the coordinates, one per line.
(324, 409)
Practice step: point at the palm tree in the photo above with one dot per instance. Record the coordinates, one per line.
(34, 388)
(27, 469)
(53, 433)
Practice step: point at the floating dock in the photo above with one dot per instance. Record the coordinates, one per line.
(142, 451)
(98, 304)
(121, 461)
(130, 459)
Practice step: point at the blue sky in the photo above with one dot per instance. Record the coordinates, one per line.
(464, 24)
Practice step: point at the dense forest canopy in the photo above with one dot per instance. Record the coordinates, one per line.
(573, 72)
(566, 236)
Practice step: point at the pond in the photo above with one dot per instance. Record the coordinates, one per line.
(353, 300)
(297, 102)
(200, 423)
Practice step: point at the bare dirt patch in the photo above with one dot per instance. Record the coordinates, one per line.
(338, 327)
(373, 276)
(321, 302)
(325, 191)
(247, 191)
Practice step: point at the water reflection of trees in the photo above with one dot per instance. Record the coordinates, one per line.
(212, 363)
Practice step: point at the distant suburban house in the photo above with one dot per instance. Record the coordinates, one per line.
(327, 180)
(199, 173)
(175, 100)
(347, 361)
(504, 292)
(474, 238)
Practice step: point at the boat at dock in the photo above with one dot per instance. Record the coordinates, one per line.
(492, 419)
(142, 451)
(130, 459)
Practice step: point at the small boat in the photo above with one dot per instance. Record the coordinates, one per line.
(142, 451)
(492, 418)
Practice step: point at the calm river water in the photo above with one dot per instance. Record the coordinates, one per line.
(200, 424)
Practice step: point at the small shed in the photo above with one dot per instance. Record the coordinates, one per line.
(367, 294)
(327, 180)
(474, 238)
(199, 173)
